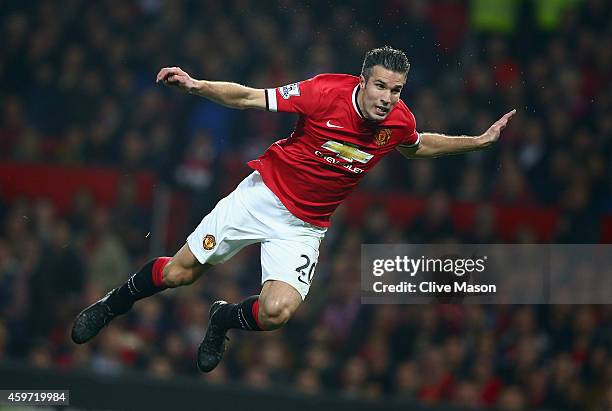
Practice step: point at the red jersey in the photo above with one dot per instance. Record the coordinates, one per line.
(331, 147)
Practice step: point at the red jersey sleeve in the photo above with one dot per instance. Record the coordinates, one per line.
(411, 136)
(303, 97)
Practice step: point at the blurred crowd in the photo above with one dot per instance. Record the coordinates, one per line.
(81, 92)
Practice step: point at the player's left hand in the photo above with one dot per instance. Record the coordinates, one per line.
(492, 134)
(176, 77)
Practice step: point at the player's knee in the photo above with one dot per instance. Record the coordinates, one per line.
(176, 276)
(275, 312)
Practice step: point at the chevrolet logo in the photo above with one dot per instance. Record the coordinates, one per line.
(348, 153)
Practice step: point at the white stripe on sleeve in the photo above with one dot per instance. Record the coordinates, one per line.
(271, 94)
(416, 143)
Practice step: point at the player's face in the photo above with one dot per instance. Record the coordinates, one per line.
(380, 93)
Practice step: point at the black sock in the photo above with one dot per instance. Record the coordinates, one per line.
(140, 285)
(239, 316)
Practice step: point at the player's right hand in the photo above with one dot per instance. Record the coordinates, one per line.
(492, 134)
(177, 77)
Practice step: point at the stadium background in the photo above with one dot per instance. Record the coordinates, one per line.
(100, 168)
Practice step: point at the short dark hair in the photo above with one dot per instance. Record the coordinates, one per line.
(388, 57)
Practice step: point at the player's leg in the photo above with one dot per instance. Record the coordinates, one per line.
(287, 270)
(219, 235)
(277, 303)
(269, 310)
(183, 269)
(155, 276)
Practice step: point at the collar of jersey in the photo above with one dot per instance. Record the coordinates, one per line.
(355, 105)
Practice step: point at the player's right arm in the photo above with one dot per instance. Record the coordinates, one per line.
(231, 95)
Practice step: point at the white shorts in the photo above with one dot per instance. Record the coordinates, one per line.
(252, 213)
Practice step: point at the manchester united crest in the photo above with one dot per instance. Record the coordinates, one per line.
(382, 136)
(209, 242)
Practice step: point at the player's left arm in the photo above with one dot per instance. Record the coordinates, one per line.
(435, 145)
(228, 94)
